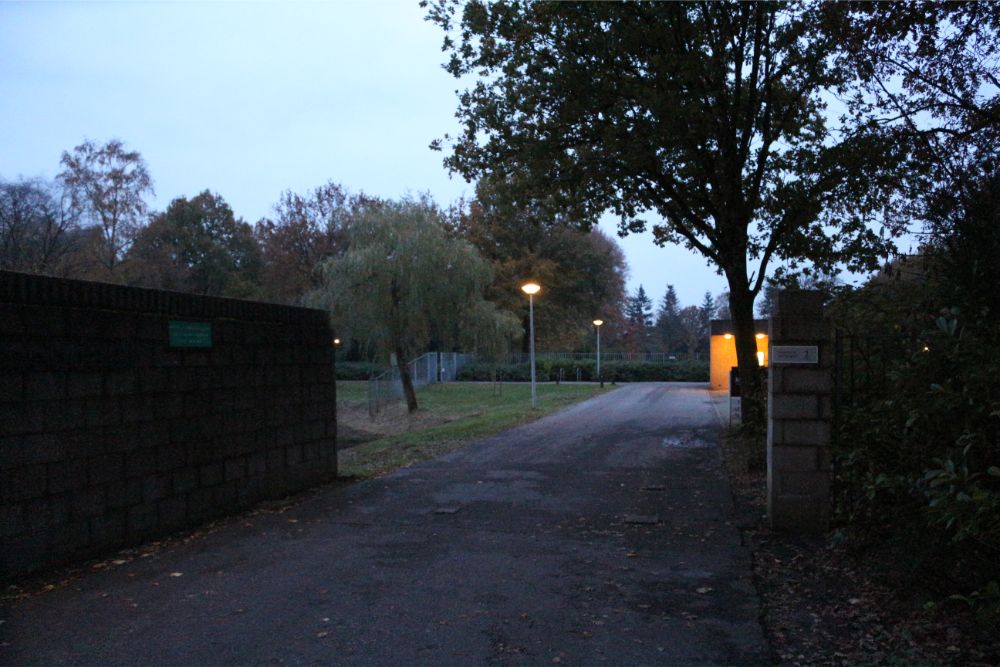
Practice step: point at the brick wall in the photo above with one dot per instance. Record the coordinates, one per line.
(109, 434)
(799, 416)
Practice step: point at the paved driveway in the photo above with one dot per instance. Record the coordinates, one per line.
(601, 534)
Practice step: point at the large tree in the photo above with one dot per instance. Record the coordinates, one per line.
(668, 321)
(197, 245)
(582, 274)
(638, 321)
(108, 184)
(306, 229)
(709, 116)
(404, 280)
(929, 69)
(38, 226)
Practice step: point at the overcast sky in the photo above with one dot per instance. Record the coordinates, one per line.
(251, 99)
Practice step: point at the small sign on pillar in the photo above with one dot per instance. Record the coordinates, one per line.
(794, 354)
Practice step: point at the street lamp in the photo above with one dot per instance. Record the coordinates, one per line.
(598, 323)
(531, 289)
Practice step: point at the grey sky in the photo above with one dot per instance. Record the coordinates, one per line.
(251, 99)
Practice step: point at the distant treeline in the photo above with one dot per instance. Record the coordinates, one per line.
(93, 222)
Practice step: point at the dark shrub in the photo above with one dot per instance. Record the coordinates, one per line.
(547, 370)
(357, 370)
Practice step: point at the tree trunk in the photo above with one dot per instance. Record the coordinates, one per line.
(751, 384)
(404, 377)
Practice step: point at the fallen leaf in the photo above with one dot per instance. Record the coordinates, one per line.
(704, 589)
(176, 574)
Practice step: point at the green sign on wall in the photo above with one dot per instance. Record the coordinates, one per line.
(190, 334)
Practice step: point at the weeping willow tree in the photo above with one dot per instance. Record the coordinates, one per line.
(404, 281)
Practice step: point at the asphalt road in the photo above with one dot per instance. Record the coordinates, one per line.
(600, 534)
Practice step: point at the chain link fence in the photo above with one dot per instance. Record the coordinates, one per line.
(653, 357)
(426, 369)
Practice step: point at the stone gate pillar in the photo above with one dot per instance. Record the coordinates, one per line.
(799, 411)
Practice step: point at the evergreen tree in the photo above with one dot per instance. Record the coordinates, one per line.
(707, 309)
(640, 308)
(668, 321)
(638, 321)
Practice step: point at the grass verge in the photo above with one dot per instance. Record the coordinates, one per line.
(460, 413)
(352, 390)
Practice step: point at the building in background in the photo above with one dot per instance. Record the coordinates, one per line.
(722, 350)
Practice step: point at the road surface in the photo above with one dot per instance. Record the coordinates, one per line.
(600, 534)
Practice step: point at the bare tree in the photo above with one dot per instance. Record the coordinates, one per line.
(37, 223)
(107, 184)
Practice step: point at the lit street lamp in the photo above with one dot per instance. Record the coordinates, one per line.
(598, 323)
(531, 289)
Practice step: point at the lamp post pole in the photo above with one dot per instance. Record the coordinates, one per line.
(531, 289)
(531, 343)
(598, 323)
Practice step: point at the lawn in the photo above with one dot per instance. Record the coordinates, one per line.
(450, 416)
(352, 390)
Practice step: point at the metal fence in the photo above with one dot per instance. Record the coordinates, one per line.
(651, 357)
(861, 373)
(426, 369)
(861, 366)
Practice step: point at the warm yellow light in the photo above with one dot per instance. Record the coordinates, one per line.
(336, 341)
(727, 336)
(760, 358)
(926, 349)
(531, 288)
(760, 336)
(598, 323)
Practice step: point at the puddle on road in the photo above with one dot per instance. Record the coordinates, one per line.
(684, 441)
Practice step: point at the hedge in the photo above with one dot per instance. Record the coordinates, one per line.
(357, 370)
(547, 370)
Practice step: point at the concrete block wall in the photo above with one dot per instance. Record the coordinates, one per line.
(109, 435)
(799, 416)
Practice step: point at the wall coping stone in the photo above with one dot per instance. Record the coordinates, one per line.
(37, 290)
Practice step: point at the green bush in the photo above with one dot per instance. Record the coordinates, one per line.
(357, 370)
(917, 453)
